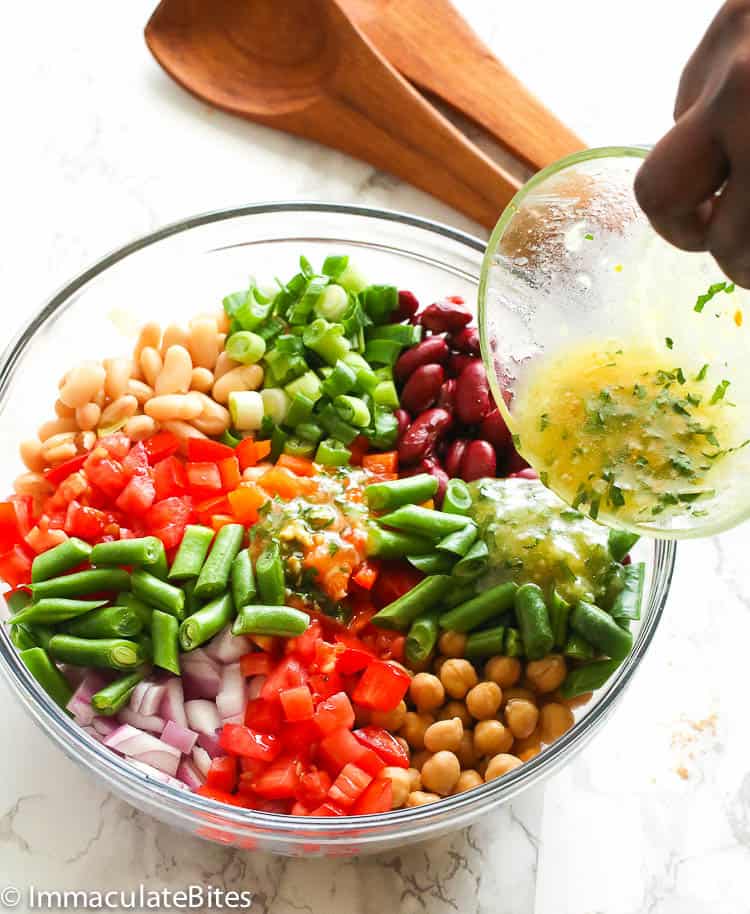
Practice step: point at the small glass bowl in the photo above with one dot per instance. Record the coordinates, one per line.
(574, 259)
(173, 274)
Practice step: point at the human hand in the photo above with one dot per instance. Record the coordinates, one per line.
(695, 184)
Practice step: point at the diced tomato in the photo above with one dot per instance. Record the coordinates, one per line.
(354, 659)
(251, 766)
(395, 579)
(297, 703)
(204, 479)
(222, 775)
(137, 496)
(327, 656)
(168, 518)
(55, 475)
(9, 532)
(304, 645)
(385, 644)
(170, 478)
(105, 472)
(334, 713)
(42, 537)
(204, 449)
(300, 466)
(256, 664)
(328, 809)
(209, 507)
(279, 781)
(313, 787)
(241, 740)
(245, 501)
(264, 716)
(382, 686)
(323, 685)
(298, 809)
(381, 463)
(23, 506)
(349, 786)
(384, 744)
(359, 447)
(300, 737)
(287, 675)
(377, 798)
(15, 566)
(366, 575)
(229, 469)
(340, 747)
(280, 481)
(136, 463)
(161, 446)
(86, 523)
(117, 445)
(221, 796)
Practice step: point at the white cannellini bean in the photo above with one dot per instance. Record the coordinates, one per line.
(142, 392)
(150, 335)
(174, 335)
(83, 383)
(201, 380)
(176, 373)
(88, 416)
(151, 364)
(174, 406)
(244, 377)
(31, 454)
(224, 364)
(56, 427)
(118, 411)
(118, 374)
(140, 427)
(203, 345)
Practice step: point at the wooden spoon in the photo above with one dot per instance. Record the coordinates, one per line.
(303, 67)
(431, 44)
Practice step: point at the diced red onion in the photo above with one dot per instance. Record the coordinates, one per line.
(104, 725)
(201, 675)
(202, 715)
(228, 648)
(143, 722)
(201, 760)
(157, 775)
(146, 698)
(189, 774)
(255, 687)
(173, 702)
(179, 737)
(80, 702)
(210, 743)
(143, 747)
(93, 733)
(231, 700)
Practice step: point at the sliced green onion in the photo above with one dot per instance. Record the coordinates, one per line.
(332, 303)
(276, 404)
(246, 409)
(352, 410)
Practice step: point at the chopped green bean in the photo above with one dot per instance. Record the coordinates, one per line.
(533, 621)
(113, 697)
(480, 609)
(59, 559)
(403, 611)
(158, 593)
(137, 552)
(17, 601)
(38, 663)
(141, 609)
(159, 568)
(388, 544)
(621, 542)
(81, 583)
(601, 630)
(422, 638)
(424, 521)
(192, 603)
(627, 604)
(513, 643)
(457, 499)
(214, 577)
(459, 592)
(107, 622)
(284, 621)
(559, 611)
(165, 630)
(192, 553)
(53, 610)
(578, 648)
(434, 563)
(488, 642)
(43, 634)
(458, 544)
(23, 637)
(588, 678)
(474, 563)
(244, 590)
(206, 622)
(103, 653)
(411, 490)
(269, 571)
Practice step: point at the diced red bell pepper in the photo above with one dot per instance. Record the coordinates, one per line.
(381, 463)
(204, 479)
(326, 656)
(136, 463)
(258, 663)
(250, 453)
(328, 809)
(210, 507)
(282, 482)
(333, 713)
(202, 450)
(304, 645)
(229, 470)
(241, 740)
(170, 478)
(85, 522)
(300, 466)
(358, 448)
(10, 535)
(161, 446)
(245, 501)
(265, 716)
(168, 518)
(222, 775)
(313, 788)
(354, 657)
(221, 796)
(15, 566)
(297, 703)
(279, 781)
(299, 809)
(105, 472)
(384, 744)
(137, 496)
(377, 798)
(382, 686)
(366, 575)
(23, 505)
(220, 520)
(287, 675)
(55, 475)
(349, 786)
(323, 685)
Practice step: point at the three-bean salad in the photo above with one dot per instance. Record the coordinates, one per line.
(287, 557)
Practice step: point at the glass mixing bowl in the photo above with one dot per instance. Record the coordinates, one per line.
(177, 272)
(574, 260)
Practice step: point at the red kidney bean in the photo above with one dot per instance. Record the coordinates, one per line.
(525, 473)
(453, 456)
(445, 316)
(423, 434)
(457, 361)
(422, 388)
(404, 420)
(494, 429)
(447, 396)
(516, 463)
(429, 351)
(466, 340)
(407, 306)
(479, 460)
(473, 400)
(432, 466)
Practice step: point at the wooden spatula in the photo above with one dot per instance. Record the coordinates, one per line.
(431, 44)
(303, 67)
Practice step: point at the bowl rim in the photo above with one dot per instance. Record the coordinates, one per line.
(194, 809)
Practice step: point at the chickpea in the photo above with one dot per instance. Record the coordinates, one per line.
(505, 671)
(444, 734)
(468, 779)
(465, 752)
(415, 779)
(401, 783)
(510, 694)
(521, 716)
(419, 758)
(452, 644)
(427, 692)
(528, 754)
(456, 709)
(458, 676)
(501, 764)
(389, 720)
(440, 773)
(414, 727)
(547, 674)
(578, 701)
(482, 765)
(532, 741)
(421, 798)
(554, 720)
(484, 700)
(491, 737)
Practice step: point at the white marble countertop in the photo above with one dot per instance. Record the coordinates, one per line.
(655, 815)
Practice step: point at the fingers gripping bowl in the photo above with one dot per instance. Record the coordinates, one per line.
(177, 272)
